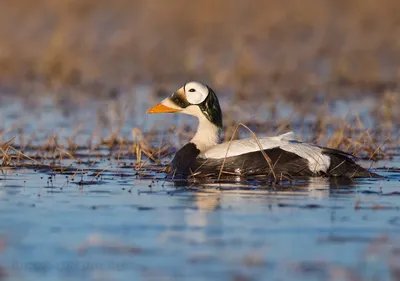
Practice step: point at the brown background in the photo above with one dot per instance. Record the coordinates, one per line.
(283, 46)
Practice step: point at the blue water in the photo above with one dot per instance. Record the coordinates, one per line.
(144, 228)
(123, 229)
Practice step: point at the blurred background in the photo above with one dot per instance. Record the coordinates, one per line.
(287, 48)
(319, 65)
(83, 194)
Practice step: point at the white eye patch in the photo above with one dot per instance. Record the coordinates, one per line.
(196, 92)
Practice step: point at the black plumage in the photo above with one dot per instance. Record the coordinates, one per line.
(184, 162)
(284, 164)
(343, 165)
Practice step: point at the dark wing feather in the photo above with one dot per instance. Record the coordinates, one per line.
(253, 163)
(343, 165)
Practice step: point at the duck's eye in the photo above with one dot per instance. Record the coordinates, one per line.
(192, 90)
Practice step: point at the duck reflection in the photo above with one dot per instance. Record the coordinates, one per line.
(244, 186)
(208, 199)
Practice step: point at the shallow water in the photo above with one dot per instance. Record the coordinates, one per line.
(125, 226)
(119, 228)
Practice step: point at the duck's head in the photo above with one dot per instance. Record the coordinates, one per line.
(194, 98)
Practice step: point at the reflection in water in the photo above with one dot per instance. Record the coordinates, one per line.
(218, 228)
(210, 197)
(254, 186)
(200, 218)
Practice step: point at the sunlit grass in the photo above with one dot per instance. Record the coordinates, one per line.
(154, 146)
(260, 51)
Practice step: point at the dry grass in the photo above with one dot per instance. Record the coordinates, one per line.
(105, 134)
(281, 51)
(142, 149)
(291, 48)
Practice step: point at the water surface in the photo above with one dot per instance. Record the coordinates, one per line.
(123, 225)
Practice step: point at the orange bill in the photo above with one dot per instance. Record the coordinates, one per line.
(160, 108)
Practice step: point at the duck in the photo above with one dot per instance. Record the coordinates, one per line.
(282, 156)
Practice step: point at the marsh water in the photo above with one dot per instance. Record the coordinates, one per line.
(101, 220)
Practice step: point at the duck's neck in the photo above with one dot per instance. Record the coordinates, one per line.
(207, 135)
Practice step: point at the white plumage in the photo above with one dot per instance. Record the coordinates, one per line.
(312, 153)
(195, 92)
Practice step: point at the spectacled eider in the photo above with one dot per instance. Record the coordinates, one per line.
(204, 155)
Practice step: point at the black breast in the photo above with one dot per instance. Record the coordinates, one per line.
(184, 162)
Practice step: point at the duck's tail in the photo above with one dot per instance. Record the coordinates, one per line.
(343, 165)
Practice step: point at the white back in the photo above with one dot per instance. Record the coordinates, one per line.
(317, 161)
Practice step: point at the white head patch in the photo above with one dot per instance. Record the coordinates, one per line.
(195, 92)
